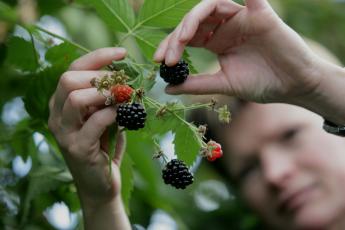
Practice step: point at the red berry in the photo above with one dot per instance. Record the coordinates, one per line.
(215, 151)
(121, 93)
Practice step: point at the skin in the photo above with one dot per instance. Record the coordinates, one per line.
(79, 119)
(290, 171)
(261, 58)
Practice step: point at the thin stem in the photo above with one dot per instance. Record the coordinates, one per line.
(62, 38)
(33, 46)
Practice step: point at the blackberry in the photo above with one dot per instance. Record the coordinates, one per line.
(132, 116)
(177, 174)
(176, 74)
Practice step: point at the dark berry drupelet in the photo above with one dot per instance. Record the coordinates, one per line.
(176, 74)
(177, 174)
(132, 116)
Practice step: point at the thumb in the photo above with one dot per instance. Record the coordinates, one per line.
(201, 84)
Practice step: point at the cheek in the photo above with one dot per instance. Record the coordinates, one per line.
(322, 160)
(255, 194)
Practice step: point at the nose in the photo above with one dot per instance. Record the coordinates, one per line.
(278, 166)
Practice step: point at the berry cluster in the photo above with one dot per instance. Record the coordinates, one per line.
(132, 116)
(176, 74)
(176, 173)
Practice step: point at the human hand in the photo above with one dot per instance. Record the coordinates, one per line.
(261, 59)
(79, 119)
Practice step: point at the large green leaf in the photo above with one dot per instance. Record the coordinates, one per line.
(62, 55)
(148, 41)
(164, 14)
(21, 54)
(42, 84)
(118, 14)
(187, 144)
(127, 183)
(40, 89)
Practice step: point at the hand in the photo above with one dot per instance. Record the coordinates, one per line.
(261, 59)
(79, 119)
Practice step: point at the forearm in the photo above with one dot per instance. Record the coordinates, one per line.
(105, 216)
(328, 100)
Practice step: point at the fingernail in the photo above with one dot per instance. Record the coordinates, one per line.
(120, 50)
(156, 56)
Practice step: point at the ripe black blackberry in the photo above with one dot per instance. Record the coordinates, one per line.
(177, 174)
(176, 74)
(132, 116)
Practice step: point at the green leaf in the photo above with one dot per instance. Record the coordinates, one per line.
(148, 41)
(164, 14)
(7, 13)
(22, 55)
(62, 55)
(127, 183)
(42, 84)
(40, 88)
(118, 14)
(187, 144)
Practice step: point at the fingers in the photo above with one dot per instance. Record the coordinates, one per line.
(198, 19)
(97, 123)
(70, 81)
(201, 84)
(120, 147)
(78, 105)
(98, 58)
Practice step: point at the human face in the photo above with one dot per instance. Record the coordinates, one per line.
(289, 170)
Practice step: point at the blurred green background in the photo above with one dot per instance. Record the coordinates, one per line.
(36, 190)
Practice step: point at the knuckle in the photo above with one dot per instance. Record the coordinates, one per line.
(74, 99)
(66, 80)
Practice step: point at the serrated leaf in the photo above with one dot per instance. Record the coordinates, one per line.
(164, 14)
(62, 55)
(118, 14)
(21, 54)
(127, 183)
(149, 40)
(187, 144)
(40, 88)
(141, 153)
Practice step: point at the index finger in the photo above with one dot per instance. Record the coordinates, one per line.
(98, 58)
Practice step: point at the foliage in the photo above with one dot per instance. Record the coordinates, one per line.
(31, 63)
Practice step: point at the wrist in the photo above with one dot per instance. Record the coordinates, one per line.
(105, 215)
(327, 99)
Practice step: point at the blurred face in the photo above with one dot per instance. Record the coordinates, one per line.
(289, 170)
